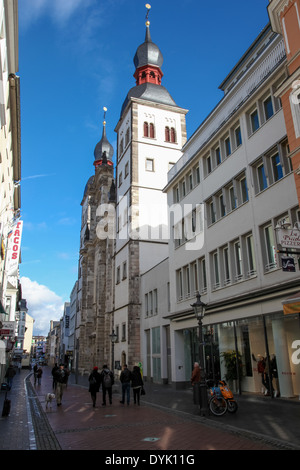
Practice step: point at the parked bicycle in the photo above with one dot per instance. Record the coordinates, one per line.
(221, 399)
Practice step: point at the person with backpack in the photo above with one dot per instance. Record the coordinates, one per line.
(107, 380)
(94, 384)
(125, 379)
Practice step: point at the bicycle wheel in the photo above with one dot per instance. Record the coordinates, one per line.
(232, 406)
(218, 406)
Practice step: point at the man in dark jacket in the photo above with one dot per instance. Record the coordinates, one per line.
(107, 380)
(61, 377)
(125, 378)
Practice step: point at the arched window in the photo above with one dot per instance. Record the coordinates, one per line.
(167, 134)
(146, 129)
(152, 130)
(173, 135)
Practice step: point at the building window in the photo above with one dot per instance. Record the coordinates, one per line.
(212, 213)
(173, 135)
(146, 129)
(149, 164)
(203, 280)
(226, 266)
(227, 147)
(238, 261)
(268, 108)
(254, 121)
(126, 169)
(222, 206)
(208, 165)
(250, 256)
(151, 130)
(277, 170)
(218, 156)
(118, 275)
(124, 270)
(261, 177)
(232, 198)
(179, 284)
(244, 189)
(238, 136)
(167, 134)
(269, 251)
(123, 331)
(216, 274)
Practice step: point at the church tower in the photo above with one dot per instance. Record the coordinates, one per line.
(95, 276)
(151, 132)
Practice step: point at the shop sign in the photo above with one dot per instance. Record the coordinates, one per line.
(288, 264)
(8, 327)
(288, 238)
(13, 252)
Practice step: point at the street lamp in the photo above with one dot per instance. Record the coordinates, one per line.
(113, 338)
(199, 310)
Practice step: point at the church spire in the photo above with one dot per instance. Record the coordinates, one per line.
(148, 59)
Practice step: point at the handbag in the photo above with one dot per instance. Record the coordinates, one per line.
(143, 391)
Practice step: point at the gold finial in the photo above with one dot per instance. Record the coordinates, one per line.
(104, 109)
(148, 6)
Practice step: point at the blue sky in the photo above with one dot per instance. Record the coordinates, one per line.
(76, 56)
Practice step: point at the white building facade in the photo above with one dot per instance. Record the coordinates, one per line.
(234, 185)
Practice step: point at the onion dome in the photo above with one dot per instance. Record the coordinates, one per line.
(148, 53)
(104, 151)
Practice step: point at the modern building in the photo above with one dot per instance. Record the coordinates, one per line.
(235, 187)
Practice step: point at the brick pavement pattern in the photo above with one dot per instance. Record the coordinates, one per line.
(79, 426)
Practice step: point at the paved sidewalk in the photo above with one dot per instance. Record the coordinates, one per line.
(167, 420)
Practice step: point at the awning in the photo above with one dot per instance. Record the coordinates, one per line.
(292, 304)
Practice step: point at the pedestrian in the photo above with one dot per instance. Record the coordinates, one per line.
(196, 374)
(54, 369)
(39, 375)
(107, 380)
(94, 384)
(35, 369)
(19, 367)
(136, 384)
(125, 378)
(61, 377)
(10, 373)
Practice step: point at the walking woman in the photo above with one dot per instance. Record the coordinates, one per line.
(94, 381)
(136, 384)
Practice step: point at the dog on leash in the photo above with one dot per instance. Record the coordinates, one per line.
(49, 397)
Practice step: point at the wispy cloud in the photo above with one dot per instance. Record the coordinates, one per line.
(59, 11)
(32, 177)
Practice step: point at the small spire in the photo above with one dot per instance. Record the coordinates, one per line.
(104, 109)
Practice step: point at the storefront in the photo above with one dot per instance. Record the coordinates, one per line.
(273, 337)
